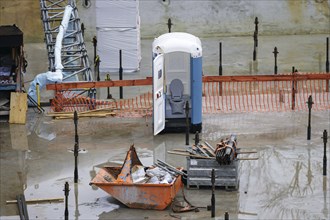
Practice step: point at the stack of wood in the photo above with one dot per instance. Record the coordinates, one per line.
(101, 112)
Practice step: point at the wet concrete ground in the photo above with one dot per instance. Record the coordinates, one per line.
(285, 183)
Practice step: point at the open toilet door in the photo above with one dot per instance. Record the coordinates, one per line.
(158, 94)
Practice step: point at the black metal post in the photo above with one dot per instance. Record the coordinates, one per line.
(255, 46)
(109, 96)
(310, 104)
(97, 67)
(120, 75)
(256, 22)
(169, 25)
(327, 64)
(76, 147)
(293, 101)
(213, 196)
(220, 67)
(275, 52)
(196, 138)
(325, 139)
(66, 193)
(255, 38)
(226, 216)
(327, 59)
(83, 29)
(187, 122)
(220, 59)
(95, 46)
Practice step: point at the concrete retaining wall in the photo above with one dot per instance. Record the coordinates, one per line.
(202, 18)
(236, 17)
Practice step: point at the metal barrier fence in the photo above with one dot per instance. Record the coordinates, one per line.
(258, 93)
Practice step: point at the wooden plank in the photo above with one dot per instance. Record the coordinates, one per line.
(111, 83)
(18, 137)
(148, 81)
(266, 78)
(37, 200)
(18, 108)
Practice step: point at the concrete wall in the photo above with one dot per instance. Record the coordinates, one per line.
(235, 17)
(26, 15)
(200, 17)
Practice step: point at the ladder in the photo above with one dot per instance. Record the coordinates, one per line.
(73, 54)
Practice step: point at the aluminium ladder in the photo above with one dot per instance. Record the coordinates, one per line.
(73, 54)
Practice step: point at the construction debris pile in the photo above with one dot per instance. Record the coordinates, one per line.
(225, 152)
(159, 173)
(154, 175)
(138, 186)
(132, 171)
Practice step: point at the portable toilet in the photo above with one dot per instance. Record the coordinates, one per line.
(177, 79)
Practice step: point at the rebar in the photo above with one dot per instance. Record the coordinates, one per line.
(325, 139)
(120, 75)
(309, 128)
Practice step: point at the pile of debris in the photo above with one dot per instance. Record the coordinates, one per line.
(159, 173)
(132, 171)
(138, 186)
(225, 152)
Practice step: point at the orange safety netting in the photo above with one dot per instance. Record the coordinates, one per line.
(248, 94)
(69, 101)
(265, 96)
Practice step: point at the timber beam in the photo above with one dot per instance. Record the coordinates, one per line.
(265, 78)
(111, 83)
(148, 81)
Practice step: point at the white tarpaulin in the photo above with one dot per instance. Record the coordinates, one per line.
(118, 28)
(113, 40)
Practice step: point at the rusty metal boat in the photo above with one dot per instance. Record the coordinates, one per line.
(117, 181)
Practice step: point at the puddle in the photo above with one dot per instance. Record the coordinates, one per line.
(84, 201)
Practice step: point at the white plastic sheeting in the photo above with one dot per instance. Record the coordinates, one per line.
(118, 28)
(117, 14)
(111, 40)
(57, 76)
(41, 79)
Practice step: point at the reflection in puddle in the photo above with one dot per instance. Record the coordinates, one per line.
(84, 202)
(284, 183)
